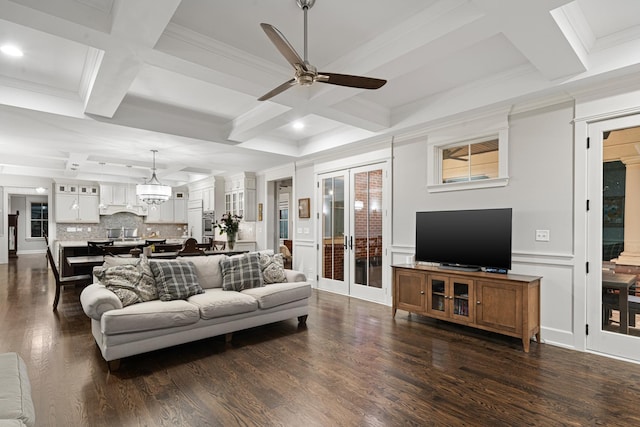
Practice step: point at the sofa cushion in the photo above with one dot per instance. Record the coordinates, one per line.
(279, 293)
(241, 272)
(272, 267)
(175, 279)
(218, 303)
(15, 392)
(132, 283)
(148, 316)
(208, 270)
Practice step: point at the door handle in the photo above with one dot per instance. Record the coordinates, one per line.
(351, 242)
(345, 242)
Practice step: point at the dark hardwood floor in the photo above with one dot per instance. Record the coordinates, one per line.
(352, 365)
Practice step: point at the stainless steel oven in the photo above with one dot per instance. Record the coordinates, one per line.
(208, 223)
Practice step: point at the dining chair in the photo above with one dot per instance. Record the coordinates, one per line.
(634, 308)
(218, 245)
(98, 247)
(80, 280)
(190, 248)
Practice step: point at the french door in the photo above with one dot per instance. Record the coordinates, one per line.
(613, 242)
(352, 225)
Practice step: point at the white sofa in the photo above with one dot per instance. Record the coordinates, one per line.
(16, 406)
(138, 328)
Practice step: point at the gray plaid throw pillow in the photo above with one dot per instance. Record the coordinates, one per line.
(175, 279)
(241, 272)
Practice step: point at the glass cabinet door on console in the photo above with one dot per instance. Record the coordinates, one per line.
(448, 297)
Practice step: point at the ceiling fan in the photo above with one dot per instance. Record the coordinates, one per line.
(305, 73)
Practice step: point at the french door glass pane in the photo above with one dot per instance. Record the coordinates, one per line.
(620, 231)
(333, 228)
(368, 228)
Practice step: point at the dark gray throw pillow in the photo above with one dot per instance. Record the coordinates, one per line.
(241, 272)
(175, 279)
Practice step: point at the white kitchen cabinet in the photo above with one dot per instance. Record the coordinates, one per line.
(173, 211)
(208, 199)
(180, 208)
(204, 190)
(76, 203)
(240, 196)
(245, 246)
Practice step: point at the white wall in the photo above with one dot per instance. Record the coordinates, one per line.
(304, 243)
(540, 191)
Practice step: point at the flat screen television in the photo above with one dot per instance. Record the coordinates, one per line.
(465, 239)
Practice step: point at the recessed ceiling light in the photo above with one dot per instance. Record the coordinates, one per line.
(298, 125)
(11, 50)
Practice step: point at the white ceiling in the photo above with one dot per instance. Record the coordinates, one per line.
(105, 81)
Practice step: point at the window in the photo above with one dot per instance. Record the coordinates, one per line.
(467, 164)
(39, 219)
(470, 162)
(284, 223)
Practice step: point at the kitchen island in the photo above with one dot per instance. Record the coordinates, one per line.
(74, 248)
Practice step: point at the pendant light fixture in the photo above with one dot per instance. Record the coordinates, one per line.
(152, 192)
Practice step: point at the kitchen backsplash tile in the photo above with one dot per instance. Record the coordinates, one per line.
(118, 220)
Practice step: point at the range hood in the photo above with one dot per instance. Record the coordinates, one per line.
(117, 198)
(114, 209)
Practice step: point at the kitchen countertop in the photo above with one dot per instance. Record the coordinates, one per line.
(116, 242)
(82, 243)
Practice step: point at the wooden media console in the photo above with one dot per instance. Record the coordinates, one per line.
(508, 304)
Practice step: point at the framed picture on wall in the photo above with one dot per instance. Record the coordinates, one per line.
(304, 208)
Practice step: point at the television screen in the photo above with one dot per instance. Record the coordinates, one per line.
(468, 238)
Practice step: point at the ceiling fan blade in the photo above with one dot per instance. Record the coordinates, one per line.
(350, 81)
(284, 86)
(283, 45)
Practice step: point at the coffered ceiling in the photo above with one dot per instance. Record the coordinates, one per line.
(103, 82)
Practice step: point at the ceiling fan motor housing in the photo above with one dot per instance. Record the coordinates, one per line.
(308, 4)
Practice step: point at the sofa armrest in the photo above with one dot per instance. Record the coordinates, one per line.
(96, 299)
(295, 276)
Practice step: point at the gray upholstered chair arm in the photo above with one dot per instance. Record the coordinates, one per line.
(96, 299)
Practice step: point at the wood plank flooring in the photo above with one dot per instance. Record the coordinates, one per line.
(352, 365)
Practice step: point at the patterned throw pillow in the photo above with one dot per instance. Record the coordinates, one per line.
(175, 279)
(132, 283)
(241, 272)
(272, 266)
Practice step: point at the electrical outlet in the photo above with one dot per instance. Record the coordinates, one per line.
(542, 235)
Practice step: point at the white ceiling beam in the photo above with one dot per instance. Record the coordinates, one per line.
(140, 24)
